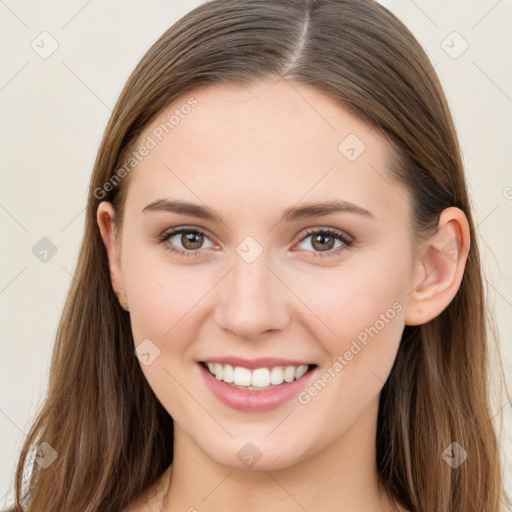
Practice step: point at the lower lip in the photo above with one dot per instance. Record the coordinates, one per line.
(255, 401)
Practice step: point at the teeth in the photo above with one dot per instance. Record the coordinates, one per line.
(241, 377)
(229, 373)
(276, 376)
(258, 378)
(218, 370)
(261, 378)
(301, 370)
(289, 373)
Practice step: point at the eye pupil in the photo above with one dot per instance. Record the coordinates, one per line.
(188, 238)
(323, 239)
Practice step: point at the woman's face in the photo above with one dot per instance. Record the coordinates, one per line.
(254, 282)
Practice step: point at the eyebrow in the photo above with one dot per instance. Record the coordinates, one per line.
(290, 214)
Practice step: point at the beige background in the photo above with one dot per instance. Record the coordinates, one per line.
(54, 110)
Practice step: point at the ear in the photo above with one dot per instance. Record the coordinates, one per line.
(105, 216)
(440, 267)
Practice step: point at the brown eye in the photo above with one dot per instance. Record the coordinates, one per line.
(185, 241)
(322, 242)
(191, 240)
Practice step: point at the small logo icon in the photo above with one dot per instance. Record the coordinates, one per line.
(352, 147)
(249, 249)
(44, 250)
(147, 352)
(249, 455)
(44, 45)
(454, 45)
(454, 455)
(45, 455)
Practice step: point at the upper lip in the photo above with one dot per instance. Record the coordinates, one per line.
(252, 364)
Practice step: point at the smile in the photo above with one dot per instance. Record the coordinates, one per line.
(266, 385)
(257, 379)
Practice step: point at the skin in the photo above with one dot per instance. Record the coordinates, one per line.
(249, 153)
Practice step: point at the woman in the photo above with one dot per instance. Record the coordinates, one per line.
(278, 300)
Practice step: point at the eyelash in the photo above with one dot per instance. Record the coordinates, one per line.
(337, 235)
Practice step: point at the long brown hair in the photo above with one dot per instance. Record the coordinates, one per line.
(112, 436)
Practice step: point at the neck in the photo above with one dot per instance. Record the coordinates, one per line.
(346, 473)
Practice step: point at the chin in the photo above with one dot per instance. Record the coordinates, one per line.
(260, 453)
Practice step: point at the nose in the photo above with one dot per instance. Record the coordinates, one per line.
(252, 300)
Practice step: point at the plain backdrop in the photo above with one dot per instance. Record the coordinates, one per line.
(63, 64)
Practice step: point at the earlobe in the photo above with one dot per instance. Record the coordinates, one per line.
(440, 268)
(105, 218)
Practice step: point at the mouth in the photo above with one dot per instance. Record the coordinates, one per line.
(258, 379)
(256, 388)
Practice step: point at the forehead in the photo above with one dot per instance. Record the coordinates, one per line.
(259, 145)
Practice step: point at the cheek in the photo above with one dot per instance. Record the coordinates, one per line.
(160, 294)
(348, 301)
(360, 332)
(162, 306)
(357, 316)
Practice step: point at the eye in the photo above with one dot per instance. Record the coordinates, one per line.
(323, 242)
(191, 240)
(187, 241)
